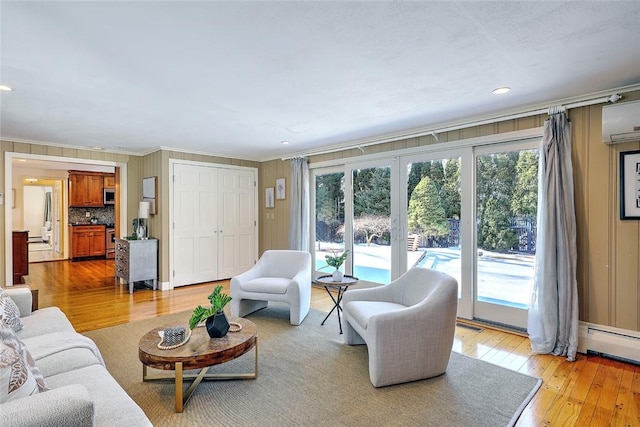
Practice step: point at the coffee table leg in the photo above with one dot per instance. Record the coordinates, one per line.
(256, 359)
(194, 384)
(183, 397)
(178, 391)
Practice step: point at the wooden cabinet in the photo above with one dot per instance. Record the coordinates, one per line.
(88, 241)
(110, 180)
(20, 256)
(86, 189)
(136, 261)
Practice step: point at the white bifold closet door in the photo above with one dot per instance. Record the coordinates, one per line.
(214, 222)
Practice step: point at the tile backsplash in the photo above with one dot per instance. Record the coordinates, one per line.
(105, 215)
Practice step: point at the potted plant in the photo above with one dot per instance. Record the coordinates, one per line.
(336, 262)
(216, 321)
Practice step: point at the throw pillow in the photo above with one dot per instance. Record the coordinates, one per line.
(16, 379)
(10, 340)
(9, 312)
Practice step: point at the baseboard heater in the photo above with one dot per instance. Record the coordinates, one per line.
(609, 341)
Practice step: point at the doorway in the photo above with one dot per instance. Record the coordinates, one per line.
(41, 215)
(19, 166)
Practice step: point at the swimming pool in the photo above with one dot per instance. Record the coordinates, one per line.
(370, 274)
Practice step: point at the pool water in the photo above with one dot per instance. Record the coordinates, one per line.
(369, 274)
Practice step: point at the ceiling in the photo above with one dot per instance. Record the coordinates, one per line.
(235, 79)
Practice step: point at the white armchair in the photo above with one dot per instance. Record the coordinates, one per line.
(279, 275)
(407, 325)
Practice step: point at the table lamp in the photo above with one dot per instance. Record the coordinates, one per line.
(143, 218)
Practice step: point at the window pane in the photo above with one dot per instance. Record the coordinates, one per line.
(329, 217)
(506, 207)
(371, 224)
(433, 211)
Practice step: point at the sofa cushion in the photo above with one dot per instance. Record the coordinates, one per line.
(17, 379)
(45, 321)
(9, 312)
(362, 311)
(275, 285)
(65, 406)
(112, 405)
(48, 345)
(65, 361)
(60, 352)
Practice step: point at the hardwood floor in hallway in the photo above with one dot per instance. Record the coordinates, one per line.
(593, 391)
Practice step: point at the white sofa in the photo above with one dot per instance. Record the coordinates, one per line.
(81, 390)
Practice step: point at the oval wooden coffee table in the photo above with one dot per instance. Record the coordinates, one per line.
(200, 352)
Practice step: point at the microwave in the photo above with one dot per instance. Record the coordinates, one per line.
(109, 196)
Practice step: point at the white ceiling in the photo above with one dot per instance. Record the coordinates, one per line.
(236, 78)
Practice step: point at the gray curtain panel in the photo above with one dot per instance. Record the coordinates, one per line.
(553, 312)
(299, 205)
(47, 206)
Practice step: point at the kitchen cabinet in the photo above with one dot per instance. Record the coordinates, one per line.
(20, 256)
(86, 189)
(88, 241)
(136, 261)
(110, 180)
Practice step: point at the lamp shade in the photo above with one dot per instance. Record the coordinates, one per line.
(143, 210)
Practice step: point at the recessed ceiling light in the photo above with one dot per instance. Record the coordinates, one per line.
(5, 88)
(501, 90)
(285, 142)
(22, 160)
(98, 148)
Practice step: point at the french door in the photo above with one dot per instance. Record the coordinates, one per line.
(506, 197)
(469, 212)
(435, 208)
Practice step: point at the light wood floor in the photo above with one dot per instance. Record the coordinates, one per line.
(593, 391)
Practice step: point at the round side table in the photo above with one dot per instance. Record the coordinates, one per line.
(329, 284)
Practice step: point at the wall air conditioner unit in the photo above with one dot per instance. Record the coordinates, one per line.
(621, 123)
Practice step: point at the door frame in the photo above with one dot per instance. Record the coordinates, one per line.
(8, 185)
(465, 302)
(486, 311)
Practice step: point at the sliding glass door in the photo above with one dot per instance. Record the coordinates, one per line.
(329, 217)
(506, 200)
(469, 212)
(433, 215)
(371, 223)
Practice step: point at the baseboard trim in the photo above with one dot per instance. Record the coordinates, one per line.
(609, 341)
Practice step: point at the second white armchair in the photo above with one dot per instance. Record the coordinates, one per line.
(279, 275)
(407, 325)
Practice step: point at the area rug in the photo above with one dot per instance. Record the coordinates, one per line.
(308, 377)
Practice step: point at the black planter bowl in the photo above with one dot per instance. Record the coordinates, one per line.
(217, 325)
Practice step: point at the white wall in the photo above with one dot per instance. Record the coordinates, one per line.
(33, 208)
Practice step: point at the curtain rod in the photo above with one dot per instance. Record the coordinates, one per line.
(602, 100)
